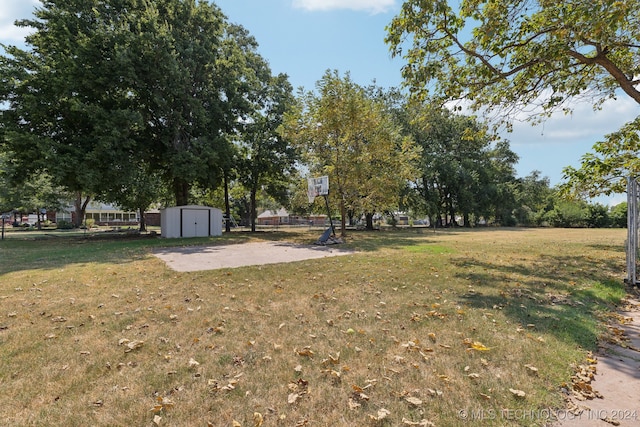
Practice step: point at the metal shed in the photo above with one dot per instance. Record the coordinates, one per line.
(190, 221)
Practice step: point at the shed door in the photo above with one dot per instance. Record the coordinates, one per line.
(194, 222)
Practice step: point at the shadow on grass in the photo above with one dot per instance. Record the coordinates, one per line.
(563, 296)
(56, 250)
(46, 250)
(374, 240)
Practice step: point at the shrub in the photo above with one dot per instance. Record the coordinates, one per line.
(64, 225)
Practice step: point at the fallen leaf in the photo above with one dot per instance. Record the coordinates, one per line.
(476, 345)
(414, 401)
(305, 352)
(531, 369)
(353, 404)
(133, 345)
(381, 415)
(517, 393)
(611, 421)
(421, 423)
(257, 419)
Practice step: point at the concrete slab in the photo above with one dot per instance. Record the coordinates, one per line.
(199, 258)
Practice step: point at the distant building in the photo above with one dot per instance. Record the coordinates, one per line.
(109, 215)
(282, 217)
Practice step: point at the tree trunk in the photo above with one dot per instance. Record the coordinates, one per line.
(452, 215)
(252, 209)
(227, 208)
(369, 219)
(181, 192)
(143, 221)
(343, 219)
(81, 208)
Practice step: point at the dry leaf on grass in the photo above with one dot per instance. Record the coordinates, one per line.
(381, 415)
(353, 404)
(414, 401)
(517, 393)
(475, 345)
(421, 423)
(306, 352)
(163, 404)
(258, 419)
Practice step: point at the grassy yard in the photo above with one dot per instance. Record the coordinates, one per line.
(416, 327)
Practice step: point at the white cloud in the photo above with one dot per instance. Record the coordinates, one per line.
(584, 124)
(9, 13)
(372, 6)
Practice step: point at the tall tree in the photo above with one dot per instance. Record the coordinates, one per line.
(63, 115)
(462, 170)
(264, 158)
(534, 197)
(176, 83)
(267, 158)
(109, 88)
(348, 135)
(26, 196)
(527, 58)
(520, 53)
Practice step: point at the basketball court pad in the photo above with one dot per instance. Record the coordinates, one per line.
(199, 258)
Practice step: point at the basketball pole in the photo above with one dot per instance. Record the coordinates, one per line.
(326, 201)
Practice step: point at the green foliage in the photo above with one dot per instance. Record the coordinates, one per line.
(462, 171)
(605, 171)
(529, 59)
(126, 89)
(346, 132)
(519, 54)
(64, 225)
(618, 215)
(266, 158)
(597, 216)
(568, 214)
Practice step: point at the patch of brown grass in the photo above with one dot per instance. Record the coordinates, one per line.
(426, 326)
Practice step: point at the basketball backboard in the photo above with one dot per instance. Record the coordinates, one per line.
(317, 187)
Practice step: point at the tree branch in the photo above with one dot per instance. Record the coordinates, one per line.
(601, 58)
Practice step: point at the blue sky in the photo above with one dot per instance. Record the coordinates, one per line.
(304, 38)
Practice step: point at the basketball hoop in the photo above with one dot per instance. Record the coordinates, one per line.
(317, 187)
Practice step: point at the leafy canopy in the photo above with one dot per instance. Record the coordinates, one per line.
(347, 133)
(510, 56)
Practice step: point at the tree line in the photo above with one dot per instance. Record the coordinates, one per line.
(141, 103)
